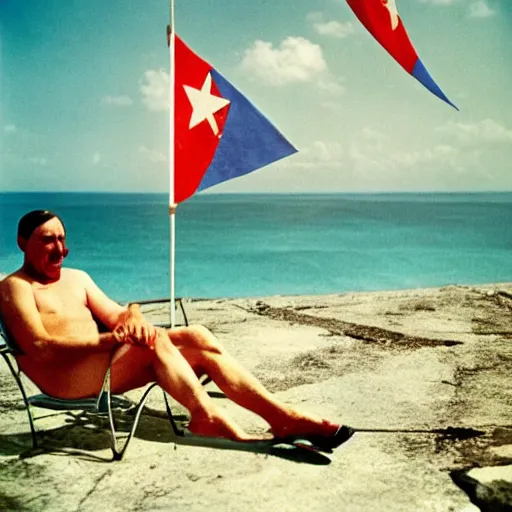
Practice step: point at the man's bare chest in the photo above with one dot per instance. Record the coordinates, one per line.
(61, 299)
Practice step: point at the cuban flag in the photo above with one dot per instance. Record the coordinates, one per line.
(218, 134)
(381, 19)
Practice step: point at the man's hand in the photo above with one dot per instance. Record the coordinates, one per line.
(134, 329)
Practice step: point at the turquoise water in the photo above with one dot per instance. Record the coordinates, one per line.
(254, 245)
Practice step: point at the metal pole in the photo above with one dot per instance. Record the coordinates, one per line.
(172, 205)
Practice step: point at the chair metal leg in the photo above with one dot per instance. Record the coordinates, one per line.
(119, 454)
(25, 399)
(104, 399)
(183, 311)
(117, 451)
(177, 431)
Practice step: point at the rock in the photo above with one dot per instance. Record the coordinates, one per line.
(414, 397)
(490, 488)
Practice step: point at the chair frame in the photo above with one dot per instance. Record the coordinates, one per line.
(99, 406)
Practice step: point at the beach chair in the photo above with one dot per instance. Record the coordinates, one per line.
(103, 405)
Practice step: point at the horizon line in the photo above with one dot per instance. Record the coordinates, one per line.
(121, 192)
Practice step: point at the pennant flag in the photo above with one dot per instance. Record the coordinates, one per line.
(381, 19)
(218, 134)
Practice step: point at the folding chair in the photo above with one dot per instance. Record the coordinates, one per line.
(178, 304)
(103, 405)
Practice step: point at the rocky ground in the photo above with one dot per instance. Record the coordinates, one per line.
(423, 375)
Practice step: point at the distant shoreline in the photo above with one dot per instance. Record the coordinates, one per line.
(266, 193)
(497, 286)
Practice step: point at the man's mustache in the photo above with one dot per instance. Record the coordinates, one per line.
(60, 254)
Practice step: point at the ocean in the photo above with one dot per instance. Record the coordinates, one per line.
(249, 245)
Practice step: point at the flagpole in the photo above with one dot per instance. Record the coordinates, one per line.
(172, 205)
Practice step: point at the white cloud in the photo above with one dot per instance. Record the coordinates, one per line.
(459, 159)
(334, 29)
(96, 157)
(152, 155)
(330, 85)
(10, 128)
(373, 150)
(439, 153)
(154, 87)
(374, 138)
(439, 2)
(118, 101)
(370, 158)
(296, 60)
(476, 8)
(330, 28)
(373, 160)
(486, 131)
(480, 9)
(364, 161)
(319, 153)
(381, 167)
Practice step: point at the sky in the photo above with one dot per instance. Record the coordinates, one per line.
(84, 104)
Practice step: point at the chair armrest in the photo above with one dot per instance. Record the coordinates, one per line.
(145, 302)
(178, 303)
(6, 348)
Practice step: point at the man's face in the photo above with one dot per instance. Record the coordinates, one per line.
(45, 250)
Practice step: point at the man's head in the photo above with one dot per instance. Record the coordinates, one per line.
(42, 238)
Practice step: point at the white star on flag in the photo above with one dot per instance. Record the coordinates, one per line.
(393, 12)
(204, 104)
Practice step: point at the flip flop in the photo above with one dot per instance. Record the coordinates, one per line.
(320, 442)
(308, 445)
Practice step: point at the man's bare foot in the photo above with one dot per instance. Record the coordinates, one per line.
(217, 426)
(322, 434)
(300, 424)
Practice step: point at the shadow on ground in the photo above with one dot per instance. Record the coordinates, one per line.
(82, 435)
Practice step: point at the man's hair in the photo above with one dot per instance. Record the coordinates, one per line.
(31, 220)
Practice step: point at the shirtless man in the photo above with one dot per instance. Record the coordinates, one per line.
(52, 313)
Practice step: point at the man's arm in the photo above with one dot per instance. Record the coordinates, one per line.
(127, 323)
(23, 321)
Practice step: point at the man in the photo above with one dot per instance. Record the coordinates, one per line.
(52, 313)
